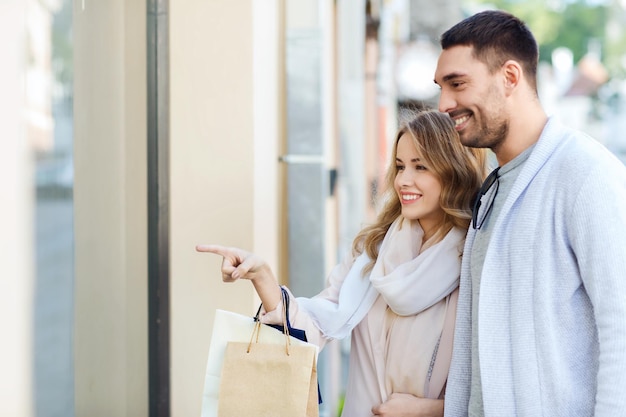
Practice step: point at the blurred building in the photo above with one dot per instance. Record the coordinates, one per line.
(39, 77)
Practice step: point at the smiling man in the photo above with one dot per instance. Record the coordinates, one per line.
(541, 326)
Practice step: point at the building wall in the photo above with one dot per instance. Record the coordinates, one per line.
(16, 211)
(225, 131)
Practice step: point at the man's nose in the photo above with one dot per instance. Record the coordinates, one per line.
(447, 103)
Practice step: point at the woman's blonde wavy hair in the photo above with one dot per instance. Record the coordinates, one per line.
(460, 170)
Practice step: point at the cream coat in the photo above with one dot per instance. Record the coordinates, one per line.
(389, 353)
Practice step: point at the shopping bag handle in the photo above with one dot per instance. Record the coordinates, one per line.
(286, 324)
(297, 333)
(285, 308)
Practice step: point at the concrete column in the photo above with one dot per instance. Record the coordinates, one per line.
(16, 213)
(225, 130)
(111, 350)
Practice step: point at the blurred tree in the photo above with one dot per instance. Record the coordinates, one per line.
(575, 24)
(615, 46)
(63, 49)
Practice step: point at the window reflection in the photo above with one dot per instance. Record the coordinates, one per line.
(49, 119)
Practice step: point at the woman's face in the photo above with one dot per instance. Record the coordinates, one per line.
(417, 187)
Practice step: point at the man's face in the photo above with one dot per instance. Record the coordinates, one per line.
(473, 97)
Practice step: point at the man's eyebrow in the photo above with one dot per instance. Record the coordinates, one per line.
(450, 76)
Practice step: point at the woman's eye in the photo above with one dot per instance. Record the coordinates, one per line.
(399, 168)
(420, 168)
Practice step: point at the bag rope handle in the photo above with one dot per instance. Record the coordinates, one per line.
(257, 325)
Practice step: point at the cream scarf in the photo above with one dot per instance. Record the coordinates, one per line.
(408, 281)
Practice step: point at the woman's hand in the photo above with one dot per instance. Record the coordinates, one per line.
(237, 263)
(240, 264)
(407, 405)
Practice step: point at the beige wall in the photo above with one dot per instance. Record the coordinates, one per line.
(110, 338)
(16, 211)
(225, 133)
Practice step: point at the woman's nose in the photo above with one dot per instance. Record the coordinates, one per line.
(404, 178)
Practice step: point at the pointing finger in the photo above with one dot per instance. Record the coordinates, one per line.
(216, 249)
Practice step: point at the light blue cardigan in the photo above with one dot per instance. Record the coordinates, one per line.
(552, 314)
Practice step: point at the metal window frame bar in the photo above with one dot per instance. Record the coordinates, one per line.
(158, 207)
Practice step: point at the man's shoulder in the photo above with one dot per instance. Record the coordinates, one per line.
(575, 150)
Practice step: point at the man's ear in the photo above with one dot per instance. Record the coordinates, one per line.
(513, 74)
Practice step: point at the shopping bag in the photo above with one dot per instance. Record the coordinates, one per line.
(232, 327)
(268, 379)
(297, 333)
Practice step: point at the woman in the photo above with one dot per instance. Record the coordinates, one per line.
(396, 293)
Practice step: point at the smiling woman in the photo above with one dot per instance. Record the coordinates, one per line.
(396, 292)
(418, 188)
(431, 150)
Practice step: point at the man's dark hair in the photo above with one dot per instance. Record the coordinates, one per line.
(496, 37)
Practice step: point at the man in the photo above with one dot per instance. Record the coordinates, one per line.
(541, 325)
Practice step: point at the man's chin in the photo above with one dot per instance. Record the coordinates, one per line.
(468, 140)
(473, 143)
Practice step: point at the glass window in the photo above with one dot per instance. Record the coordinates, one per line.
(50, 133)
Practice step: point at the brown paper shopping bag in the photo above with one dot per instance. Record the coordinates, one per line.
(231, 327)
(268, 380)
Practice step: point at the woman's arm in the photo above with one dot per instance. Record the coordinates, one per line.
(407, 405)
(240, 264)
